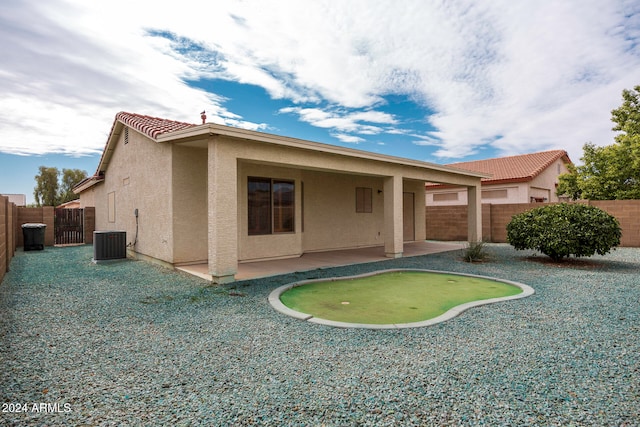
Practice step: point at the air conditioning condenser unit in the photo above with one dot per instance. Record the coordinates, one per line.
(109, 245)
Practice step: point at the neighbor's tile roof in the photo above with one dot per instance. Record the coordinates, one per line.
(519, 168)
(151, 126)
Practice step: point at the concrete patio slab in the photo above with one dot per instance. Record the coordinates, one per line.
(313, 260)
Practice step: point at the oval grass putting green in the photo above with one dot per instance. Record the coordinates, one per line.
(394, 297)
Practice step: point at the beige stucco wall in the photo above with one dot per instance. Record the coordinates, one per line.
(272, 245)
(326, 199)
(417, 188)
(544, 185)
(88, 198)
(310, 159)
(189, 190)
(139, 175)
(326, 216)
(330, 211)
(515, 193)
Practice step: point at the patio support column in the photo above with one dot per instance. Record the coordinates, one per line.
(393, 236)
(222, 213)
(474, 216)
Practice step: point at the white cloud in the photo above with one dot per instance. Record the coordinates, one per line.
(351, 139)
(373, 117)
(558, 70)
(343, 122)
(67, 71)
(518, 76)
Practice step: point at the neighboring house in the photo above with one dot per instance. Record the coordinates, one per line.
(72, 204)
(527, 178)
(17, 199)
(188, 193)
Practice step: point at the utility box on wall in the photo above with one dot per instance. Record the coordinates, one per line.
(109, 245)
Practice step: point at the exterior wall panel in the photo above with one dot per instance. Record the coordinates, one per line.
(331, 220)
(4, 236)
(139, 176)
(190, 204)
(277, 245)
(446, 222)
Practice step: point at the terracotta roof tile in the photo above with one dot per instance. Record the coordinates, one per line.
(151, 126)
(519, 168)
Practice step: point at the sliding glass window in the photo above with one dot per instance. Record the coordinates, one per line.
(271, 207)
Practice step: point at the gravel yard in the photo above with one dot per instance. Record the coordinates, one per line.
(129, 343)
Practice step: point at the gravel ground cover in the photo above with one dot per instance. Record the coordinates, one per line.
(129, 343)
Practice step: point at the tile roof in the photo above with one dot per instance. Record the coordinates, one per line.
(147, 125)
(151, 126)
(519, 168)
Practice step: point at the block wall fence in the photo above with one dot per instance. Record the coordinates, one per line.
(7, 234)
(449, 223)
(12, 218)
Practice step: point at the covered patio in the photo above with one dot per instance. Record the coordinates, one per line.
(232, 198)
(314, 260)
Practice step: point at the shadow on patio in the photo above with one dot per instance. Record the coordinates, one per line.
(313, 260)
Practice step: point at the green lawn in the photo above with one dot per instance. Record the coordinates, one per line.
(392, 297)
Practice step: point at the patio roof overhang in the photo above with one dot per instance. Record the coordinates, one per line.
(200, 135)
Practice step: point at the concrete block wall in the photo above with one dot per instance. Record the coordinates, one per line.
(446, 223)
(4, 258)
(500, 216)
(89, 224)
(45, 215)
(627, 212)
(42, 215)
(449, 223)
(7, 234)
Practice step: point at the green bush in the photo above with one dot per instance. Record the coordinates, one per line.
(562, 230)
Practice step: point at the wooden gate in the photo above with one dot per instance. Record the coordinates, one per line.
(68, 226)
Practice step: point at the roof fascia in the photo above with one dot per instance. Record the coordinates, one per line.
(562, 155)
(87, 183)
(112, 140)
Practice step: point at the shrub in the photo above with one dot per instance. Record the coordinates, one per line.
(564, 229)
(475, 252)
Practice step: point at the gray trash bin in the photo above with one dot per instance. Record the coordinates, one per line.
(33, 234)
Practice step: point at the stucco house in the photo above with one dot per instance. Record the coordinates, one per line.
(188, 193)
(17, 199)
(526, 178)
(72, 204)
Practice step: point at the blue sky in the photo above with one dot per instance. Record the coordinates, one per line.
(436, 81)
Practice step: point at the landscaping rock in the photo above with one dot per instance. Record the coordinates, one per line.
(130, 343)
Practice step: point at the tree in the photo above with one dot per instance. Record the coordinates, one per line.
(613, 171)
(568, 184)
(46, 190)
(627, 120)
(70, 178)
(49, 191)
